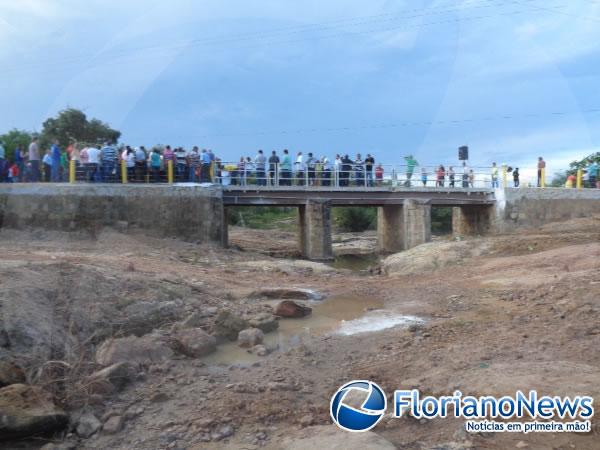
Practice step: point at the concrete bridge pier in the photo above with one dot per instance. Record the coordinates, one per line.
(471, 220)
(315, 230)
(401, 227)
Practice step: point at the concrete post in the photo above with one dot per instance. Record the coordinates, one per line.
(390, 229)
(417, 223)
(315, 230)
(471, 220)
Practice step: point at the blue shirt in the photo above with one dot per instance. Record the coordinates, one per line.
(593, 170)
(55, 150)
(205, 158)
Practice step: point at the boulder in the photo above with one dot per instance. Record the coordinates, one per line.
(195, 342)
(250, 337)
(111, 378)
(260, 350)
(332, 438)
(10, 373)
(113, 425)
(142, 350)
(194, 320)
(264, 321)
(87, 424)
(28, 411)
(141, 318)
(287, 293)
(228, 325)
(290, 309)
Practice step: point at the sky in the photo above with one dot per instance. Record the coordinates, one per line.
(511, 79)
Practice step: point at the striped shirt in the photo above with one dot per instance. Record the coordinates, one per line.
(109, 153)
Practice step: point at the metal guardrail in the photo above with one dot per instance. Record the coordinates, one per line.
(319, 175)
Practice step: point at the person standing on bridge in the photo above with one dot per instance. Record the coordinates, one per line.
(326, 177)
(260, 161)
(451, 176)
(465, 175)
(494, 176)
(286, 168)
(541, 165)
(592, 171)
(345, 172)
(359, 172)
(369, 165)
(300, 166)
(273, 165)
(311, 166)
(182, 168)
(193, 162)
(516, 181)
(34, 160)
(109, 162)
(55, 167)
(411, 163)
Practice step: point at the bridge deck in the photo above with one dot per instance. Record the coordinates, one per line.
(353, 196)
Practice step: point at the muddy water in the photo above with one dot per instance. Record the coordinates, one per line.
(355, 263)
(345, 315)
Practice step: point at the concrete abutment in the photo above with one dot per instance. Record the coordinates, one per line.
(472, 220)
(401, 227)
(315, 230)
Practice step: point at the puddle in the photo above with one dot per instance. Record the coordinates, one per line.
(355, 263)
(344, 315)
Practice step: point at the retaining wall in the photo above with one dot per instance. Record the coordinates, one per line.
(188, 212)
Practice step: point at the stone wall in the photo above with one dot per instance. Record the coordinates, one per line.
(528, 207)
(188, 212)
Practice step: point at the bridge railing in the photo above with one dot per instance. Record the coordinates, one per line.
(352, 175)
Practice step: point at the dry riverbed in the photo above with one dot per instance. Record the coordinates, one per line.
(486, 316)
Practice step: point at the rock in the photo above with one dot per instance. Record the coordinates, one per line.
(141, 350)
(433, 256)
(260, 350)
(287, 293)
(228, 325)
(521, 444)
(306, 420)
(195, 342)
(332, 438)
(264, 321)
(10, 373)
(222, 432)
(250, 337)
(290, 309)
(111, 378)
(143, 317)
(87, 424)
(194, 320)
(113, 425)
(28, 411)
(159, 397)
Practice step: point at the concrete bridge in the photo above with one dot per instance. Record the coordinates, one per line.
(403, 218)
(199, 212)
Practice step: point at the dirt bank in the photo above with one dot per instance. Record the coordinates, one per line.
(517, 312)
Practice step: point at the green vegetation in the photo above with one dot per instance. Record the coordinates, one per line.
(69, 126)
(347, 219)
(263, 217)
(355, 219)
(561, 177)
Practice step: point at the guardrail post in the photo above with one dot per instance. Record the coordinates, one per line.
(170, 172)
(580, 178)
(72, 171)
(211, 173)
(123, 171)
(504, 176)
(543, 177)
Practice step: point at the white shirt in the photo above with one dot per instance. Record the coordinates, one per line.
(93, 155)
(300, 162)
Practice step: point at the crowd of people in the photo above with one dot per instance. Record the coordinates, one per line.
(109, 163)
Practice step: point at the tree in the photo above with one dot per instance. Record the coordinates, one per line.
(15, 138)
(71, 125)
(561, 177)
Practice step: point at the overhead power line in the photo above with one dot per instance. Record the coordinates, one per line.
(450, 122)
(248, 38)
